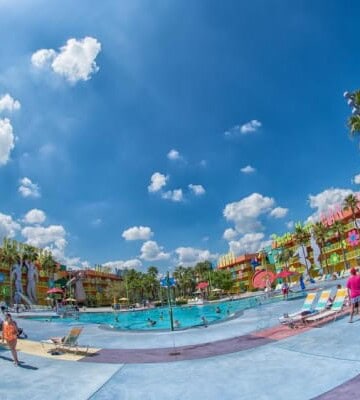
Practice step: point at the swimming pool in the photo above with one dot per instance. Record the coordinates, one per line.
(187, 316)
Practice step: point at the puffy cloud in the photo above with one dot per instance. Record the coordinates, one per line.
(198, 190)
(128, 264)
(230, 234)
(174, 155)
(51, 236)
(8, 227)
(35, 216)
(7, 140)
(158, 181)
(43, 58)
(28, 189)
(245, 212)
(191, 256)
(8, 103)
(249, 243)
(151, 251)
(279, 212)
(357, 179)
(249, 127)
(173, 195)
(138, 233)
(75, 61)
(248, 169)
(326, 201)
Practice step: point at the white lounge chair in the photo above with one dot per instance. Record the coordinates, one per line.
(335, 309)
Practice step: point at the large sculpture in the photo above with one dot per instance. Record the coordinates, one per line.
(15, 277)
(77, 280)
(32, 280)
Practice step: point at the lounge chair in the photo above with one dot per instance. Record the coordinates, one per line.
(287, 319)
(300, 317)
(66, 343)
(335, 309)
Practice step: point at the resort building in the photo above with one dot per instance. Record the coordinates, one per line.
(241, 268)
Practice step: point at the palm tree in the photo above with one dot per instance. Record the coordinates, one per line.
(302, 237)
(339, 230)
(320, 234)
(47, 262)
(351, 203)
(8, 257)
(284, 256)
(354, 125)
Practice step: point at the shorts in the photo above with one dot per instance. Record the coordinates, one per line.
(355, 300)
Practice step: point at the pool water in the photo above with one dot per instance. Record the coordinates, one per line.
(187, 316)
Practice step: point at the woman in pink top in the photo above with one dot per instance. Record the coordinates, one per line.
(353, 287)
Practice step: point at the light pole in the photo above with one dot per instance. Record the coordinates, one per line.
(168, 282)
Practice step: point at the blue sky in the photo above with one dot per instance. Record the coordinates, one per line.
(140, 133)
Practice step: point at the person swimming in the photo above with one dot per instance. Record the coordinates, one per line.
(151, 322)
(218, 310)
(204, 321)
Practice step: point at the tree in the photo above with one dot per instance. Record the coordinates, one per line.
(351, 203)
(320, 234)
(339, 230)
(302, 237)
(8, 257)
(284, 256)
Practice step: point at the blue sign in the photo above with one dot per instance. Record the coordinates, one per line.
(165, 282)
(2, 277)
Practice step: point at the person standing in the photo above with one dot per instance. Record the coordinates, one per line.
(9, 334)
(353, 287)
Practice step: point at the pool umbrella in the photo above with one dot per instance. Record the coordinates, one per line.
(261, 277)
(284, 274)
(124, 299)
(55, 290)
(202, 285)
(70, 299)
(216, 290)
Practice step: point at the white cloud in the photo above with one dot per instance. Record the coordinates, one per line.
(151, 251)
(138, 233)
(245, 212)
(8, 227)
(35, 216)
(357, 179)
(43, 58)
(158, 181)
(8, 103)
(230, 234)
(326, 201)
(75, 61)
(7, 140)
(96, 222)
(128, 264)
(249, 243)
(191, 256)
(28, 189)
(173, 195)
(279, 212)
(249, 127)
(248, 169)
(198, 190)
(174, 155)
(39, 236)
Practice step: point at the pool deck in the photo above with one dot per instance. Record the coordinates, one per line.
(250, 357)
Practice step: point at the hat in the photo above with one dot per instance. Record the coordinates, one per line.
(353, 271)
